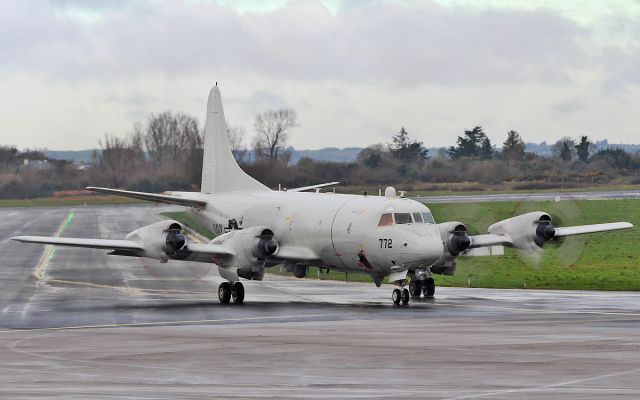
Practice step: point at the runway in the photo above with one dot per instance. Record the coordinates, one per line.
(542, 196)
(76, 323)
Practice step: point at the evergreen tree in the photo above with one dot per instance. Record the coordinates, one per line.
(513, 148)
(469, 144)
(583, 149)
(403, 148)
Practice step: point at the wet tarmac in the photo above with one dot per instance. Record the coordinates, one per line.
(76, 323)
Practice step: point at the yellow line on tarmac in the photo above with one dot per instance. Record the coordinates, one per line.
(165, 323)
(50, 250)
(128, 288)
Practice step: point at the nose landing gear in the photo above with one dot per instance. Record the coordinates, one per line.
(400, 295)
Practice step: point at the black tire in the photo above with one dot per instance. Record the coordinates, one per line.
(237, 292)
(396, 296)
(405, 297)
(415, 288)
(224, 292)
(429, 287)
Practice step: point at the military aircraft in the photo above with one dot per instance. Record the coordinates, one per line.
(383, 236)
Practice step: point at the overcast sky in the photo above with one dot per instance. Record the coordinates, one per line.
(72, 70)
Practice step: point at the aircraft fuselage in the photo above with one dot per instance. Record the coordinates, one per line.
(344, 231)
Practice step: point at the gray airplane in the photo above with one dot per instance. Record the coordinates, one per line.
(258, 228)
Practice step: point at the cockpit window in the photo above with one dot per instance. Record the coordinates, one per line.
(386, 219)
(417, 217)
(428, 218)
(403, 218)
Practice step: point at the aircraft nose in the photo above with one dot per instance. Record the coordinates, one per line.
(426, 246)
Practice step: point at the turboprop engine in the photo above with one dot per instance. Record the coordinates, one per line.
(527, 231)
(456, 240)
(252, 248)
(162, 241)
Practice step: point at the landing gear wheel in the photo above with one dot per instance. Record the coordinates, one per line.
(224, 292)
(237, 292)
(415, 288)
(429, 287)
(405, 297)
(396, 296)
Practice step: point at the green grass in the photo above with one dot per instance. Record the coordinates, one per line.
(601, 261)
(185, 218)
(90, 200)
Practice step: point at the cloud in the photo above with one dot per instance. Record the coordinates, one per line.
(413, 43)
(355, 73)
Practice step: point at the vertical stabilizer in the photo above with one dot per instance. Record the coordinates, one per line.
(220, 171)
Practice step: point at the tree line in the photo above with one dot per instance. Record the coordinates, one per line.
(164, 152)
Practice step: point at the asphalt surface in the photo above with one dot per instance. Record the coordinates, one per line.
(78, 324)
(546, 196)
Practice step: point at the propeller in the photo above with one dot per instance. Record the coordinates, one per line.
(459, 240)
(175, 240)
(267, 245)
(545, 231)
(558, 251)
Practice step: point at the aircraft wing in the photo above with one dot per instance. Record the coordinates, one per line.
(489, 240)
(81, 242)
(295, 254)
(582, 229)
(157, 198)
(191, 252)
(505, 240)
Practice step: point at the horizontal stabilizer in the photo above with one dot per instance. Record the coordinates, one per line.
(312, 187)
(157, 198)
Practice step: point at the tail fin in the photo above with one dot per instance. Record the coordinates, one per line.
(220, 171)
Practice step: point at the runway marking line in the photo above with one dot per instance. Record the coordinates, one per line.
(536, 311)
(164, 323)
(41, 267)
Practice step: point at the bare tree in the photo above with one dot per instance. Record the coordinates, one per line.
(171, 140)
(271, 133)
(237, 135)
(117, 159)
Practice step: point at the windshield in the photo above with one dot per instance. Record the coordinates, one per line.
(386, 219)
(428, 218)
(403, 218)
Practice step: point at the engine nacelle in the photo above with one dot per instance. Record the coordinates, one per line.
(527, 231)
(162, 241)
(252, 247)
(455, 239)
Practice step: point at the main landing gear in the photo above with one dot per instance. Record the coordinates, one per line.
(228, 291)
(418, 287)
